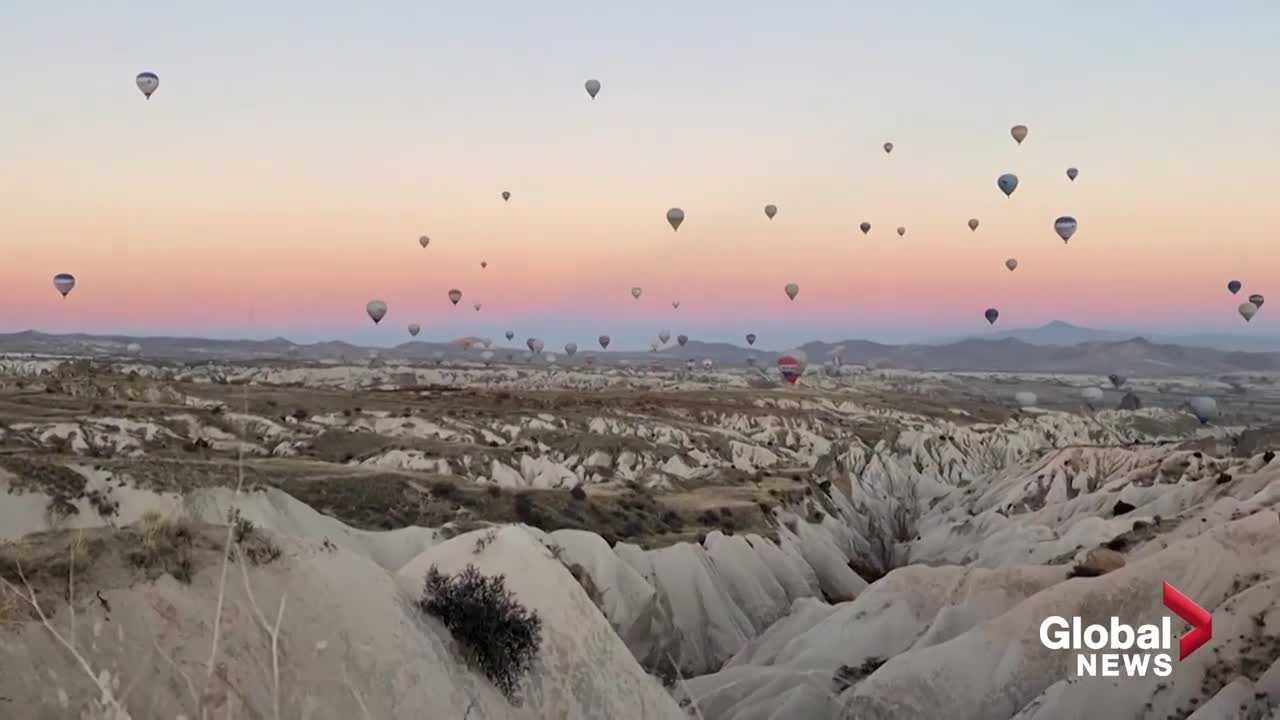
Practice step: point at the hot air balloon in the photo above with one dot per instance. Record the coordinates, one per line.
(1072, 173)
(1247, 310)
(1257, 300)
(506, 195)
(1065, 226)
(973, 223)
(483, 264)
(1024, 398)
(664, 335)
(1091, 394)
(477, 306)
(1117, 380)
(1234, 286)
(865, 227)
(706, 363)
(377, 310)
(1007, 183)
(791, 290)
(510, 334)
(147, 82)
(888, 147)
(64, 283)
(535, 345)
(791, 364)
(414, 329)
(571, 349)
(424, 241)
(438, 356)
(1012, 264)
(751, 338)
(133, 348)
(689, 364)
(675, 216)
(1204, 408)
(593, 87)
(675, 304)
(901, 231)
(770, 211)
(637, 292)
(487, 356)
(991, 314)
(455, 296)
(550, 358)
(604, 342)
(1019, 133)
(682, 340)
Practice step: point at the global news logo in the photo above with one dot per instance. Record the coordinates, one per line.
(1121, 650)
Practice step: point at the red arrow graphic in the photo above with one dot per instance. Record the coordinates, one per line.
(1201, 621)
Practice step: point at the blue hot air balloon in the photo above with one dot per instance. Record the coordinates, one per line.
(1065, 226)
(1234, 286)
(1007, 183)
(991, 315)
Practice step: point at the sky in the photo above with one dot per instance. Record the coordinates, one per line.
(294, 152)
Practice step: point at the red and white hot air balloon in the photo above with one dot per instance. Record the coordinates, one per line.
(791, 364)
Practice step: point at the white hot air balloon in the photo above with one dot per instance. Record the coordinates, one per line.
(455, 296)
(1204, 408)
(593, 87)
(424, 241)
(147, 82)
(377, 310)
(675, 216)
(1012, 264)
(637, 292)
(414, 329)
(1091, 394)
(792, 290)
(770, 211)
(64, 283)
(1247, 310)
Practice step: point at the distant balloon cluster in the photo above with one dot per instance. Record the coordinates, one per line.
(791, 364)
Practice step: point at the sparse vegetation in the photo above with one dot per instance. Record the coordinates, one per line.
(498, 635)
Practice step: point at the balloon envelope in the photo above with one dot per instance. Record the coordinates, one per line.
(424, 241)
(133, 348)
(751, 338)
(664, 335)
(455, 296)
(1019, 133)
(1065, 226)
(675, 216)
(901, 231)
(1204, 408)
(477, 306)
(510, 334)
(1117, 380)
(791, 364)
(770, 211)
(991, 314)
(147, 82)
(64, 283)
(706, 364)
(682, 340)
(414, 329)
(1012, 264)
(1257, 300)
(1024, 398)
(888, 147)
(791, 290)
(1072, 173)
(377, 310)
(571, 349)
(1007, 183)
(1091, 394)
(506, 195)
(1234, 286)
(973, 223)
(593, 87)
(1247, 310)
(604, 342)
(865, 228)
(636, 292)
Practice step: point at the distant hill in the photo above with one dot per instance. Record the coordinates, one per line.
(1063, 333)
(1130, 356)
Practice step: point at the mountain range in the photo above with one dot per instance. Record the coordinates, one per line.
(1045, 349)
